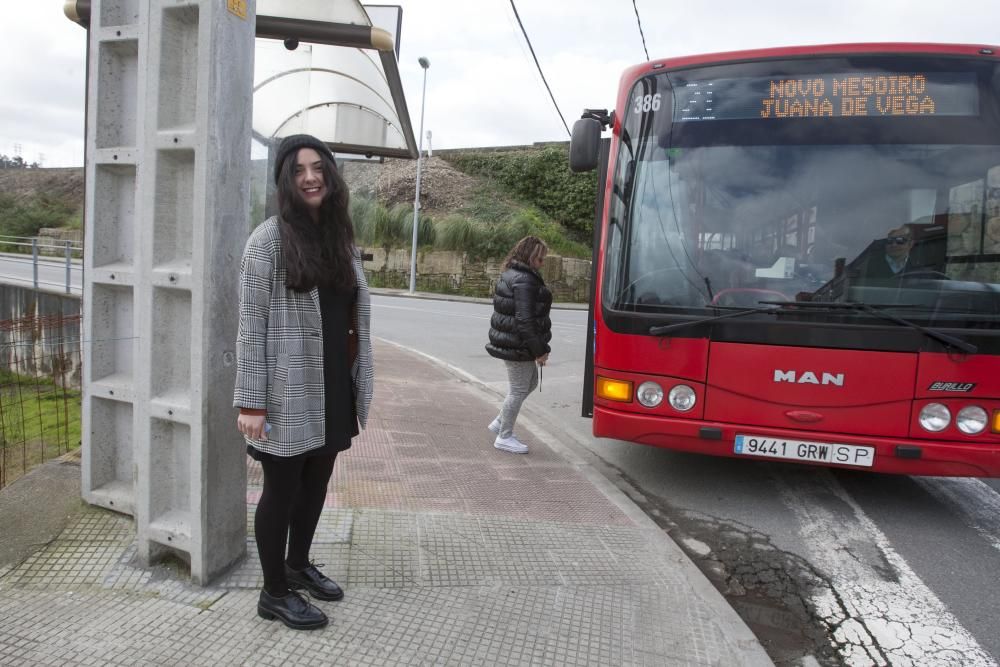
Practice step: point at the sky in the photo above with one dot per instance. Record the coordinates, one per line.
(483, 88)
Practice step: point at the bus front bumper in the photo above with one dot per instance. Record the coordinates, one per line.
(900, 456)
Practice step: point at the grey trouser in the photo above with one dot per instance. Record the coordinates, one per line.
(523, 377)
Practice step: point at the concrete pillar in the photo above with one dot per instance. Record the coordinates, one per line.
(168, 198)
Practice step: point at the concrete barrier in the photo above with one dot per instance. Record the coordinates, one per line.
(40, 334)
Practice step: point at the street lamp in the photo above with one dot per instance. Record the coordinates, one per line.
(416, 199)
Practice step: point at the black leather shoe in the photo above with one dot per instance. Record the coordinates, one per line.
(318, 584)
(292, 610)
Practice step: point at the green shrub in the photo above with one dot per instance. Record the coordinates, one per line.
(394, 227)
(389, 226)
(457, 232)
(75, 221)
(494, 240)
(542, 178)
(426, 232)
(362, 211)
(531, 222)
(20, 218)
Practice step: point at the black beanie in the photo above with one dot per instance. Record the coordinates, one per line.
(291, 144)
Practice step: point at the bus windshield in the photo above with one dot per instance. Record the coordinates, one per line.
(877, 199)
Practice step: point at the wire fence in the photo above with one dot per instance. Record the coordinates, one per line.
(40, 397)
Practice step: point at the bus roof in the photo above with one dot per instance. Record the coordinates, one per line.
(814, 50)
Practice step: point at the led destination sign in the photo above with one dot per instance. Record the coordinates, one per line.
(828, 96)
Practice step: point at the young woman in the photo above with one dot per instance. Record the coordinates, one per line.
(520, 331)
(304, 368)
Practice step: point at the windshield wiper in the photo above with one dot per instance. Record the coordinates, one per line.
(667, 328)
(877, 311)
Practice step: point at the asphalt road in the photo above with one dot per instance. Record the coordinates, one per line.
(18, 270)
(845, 567)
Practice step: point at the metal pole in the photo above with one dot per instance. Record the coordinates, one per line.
(34, 260)
(69, 255)
(416, 199)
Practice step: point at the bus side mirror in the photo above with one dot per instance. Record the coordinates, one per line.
(584, 145)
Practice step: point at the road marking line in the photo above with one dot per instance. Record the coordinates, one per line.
(880, 611)
(555, 325)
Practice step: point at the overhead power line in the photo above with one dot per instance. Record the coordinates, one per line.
(525, 33)
(639, 21)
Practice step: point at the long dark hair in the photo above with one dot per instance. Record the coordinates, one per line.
(316, 255)
(525, 250)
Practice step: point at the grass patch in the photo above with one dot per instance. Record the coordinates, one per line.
(38, 421)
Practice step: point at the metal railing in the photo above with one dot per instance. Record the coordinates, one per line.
(70, 255)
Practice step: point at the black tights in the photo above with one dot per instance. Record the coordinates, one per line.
(288, 510)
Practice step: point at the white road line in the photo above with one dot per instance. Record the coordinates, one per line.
(433, 312)
(978, 503)
(555, 325)
(880, 610)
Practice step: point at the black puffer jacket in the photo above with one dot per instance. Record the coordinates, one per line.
(520, 329)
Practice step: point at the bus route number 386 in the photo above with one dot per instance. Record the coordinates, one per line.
(799, 450)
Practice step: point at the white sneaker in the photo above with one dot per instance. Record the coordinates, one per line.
(511, 444)
(495, 426)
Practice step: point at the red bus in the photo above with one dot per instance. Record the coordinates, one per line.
(797, 257)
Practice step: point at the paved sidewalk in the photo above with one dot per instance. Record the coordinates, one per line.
(450, 553)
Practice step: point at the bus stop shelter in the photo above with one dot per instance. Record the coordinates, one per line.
(184, 102)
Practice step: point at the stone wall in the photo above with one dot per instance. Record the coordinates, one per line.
(451, 272)
(52, 241)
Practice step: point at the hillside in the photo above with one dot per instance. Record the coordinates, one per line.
(443, 188)
(26, 185)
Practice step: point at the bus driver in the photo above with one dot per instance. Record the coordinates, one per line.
(894, 260)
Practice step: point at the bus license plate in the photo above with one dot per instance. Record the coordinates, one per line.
(800, 450)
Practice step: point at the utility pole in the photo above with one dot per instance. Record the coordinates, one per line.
(425, 63)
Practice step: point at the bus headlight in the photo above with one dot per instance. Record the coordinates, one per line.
(971, 419)
(649, 394)
(935, 417)
(681, 398)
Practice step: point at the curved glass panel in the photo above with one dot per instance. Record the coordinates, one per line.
(349, 97)
(338, 94)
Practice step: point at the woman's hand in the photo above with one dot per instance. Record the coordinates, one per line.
(542, 360)
(252, 426)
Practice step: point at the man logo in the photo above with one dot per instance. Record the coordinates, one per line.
(808, 377)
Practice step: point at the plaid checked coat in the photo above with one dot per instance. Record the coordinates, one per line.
(279, 349)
